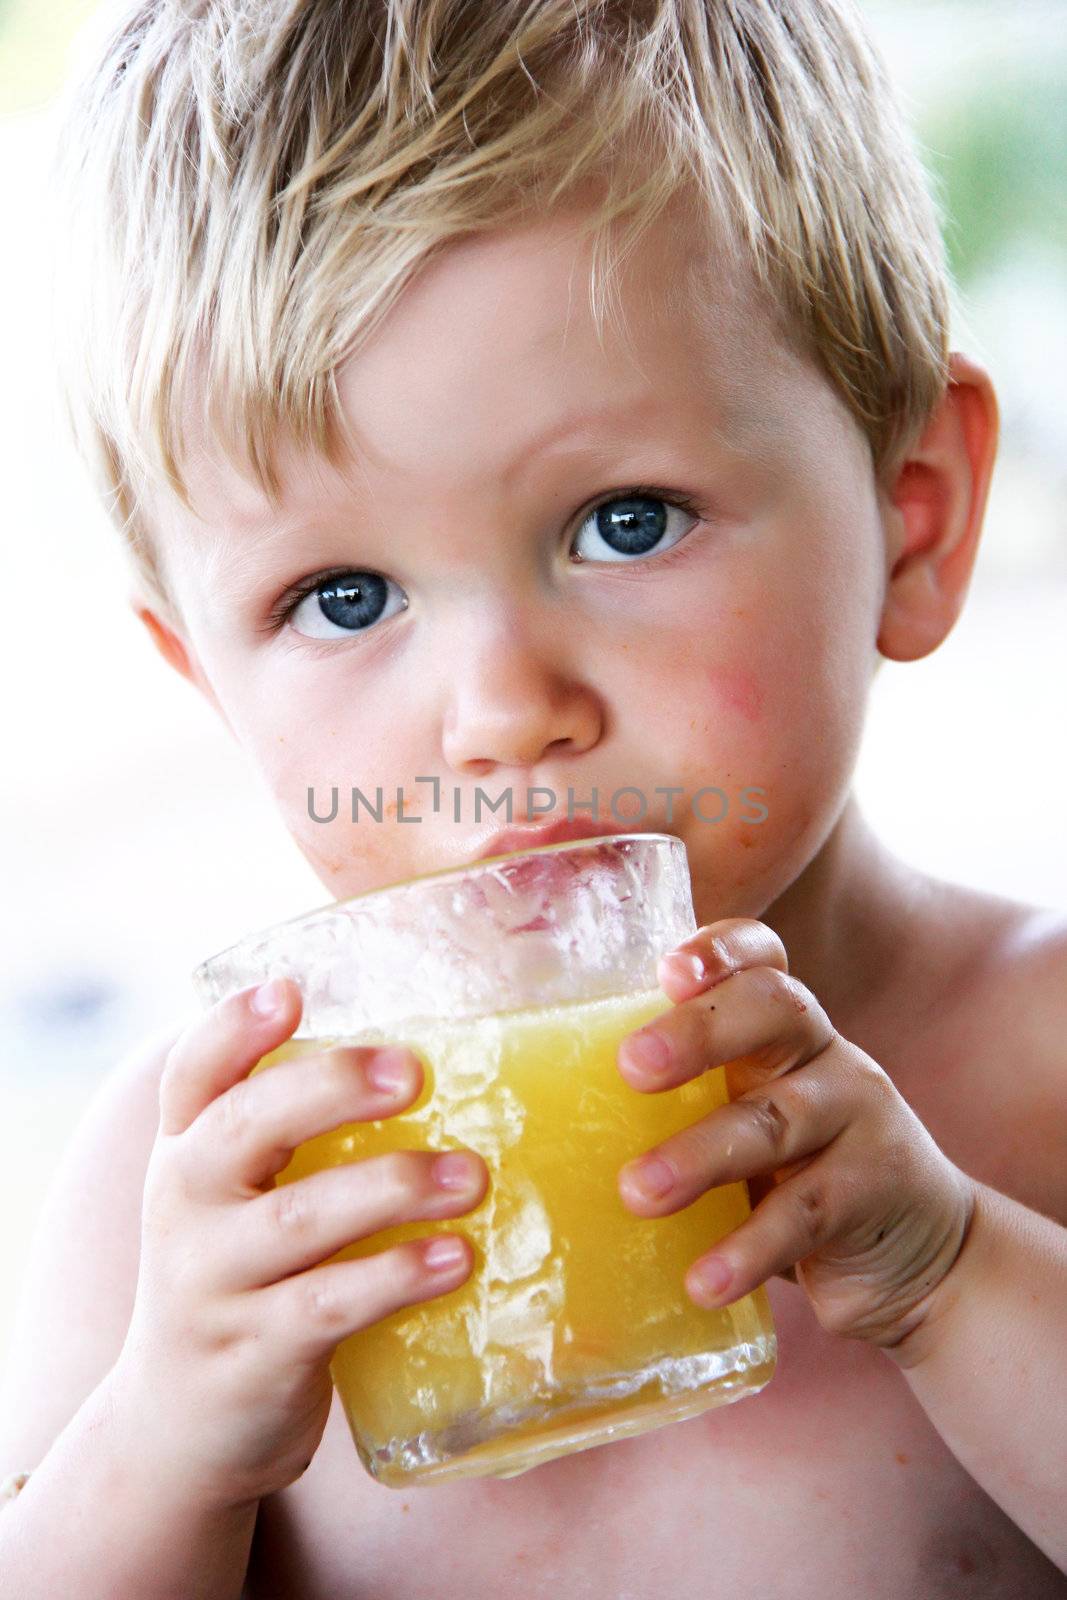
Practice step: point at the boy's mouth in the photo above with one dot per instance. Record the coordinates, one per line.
(508, 840)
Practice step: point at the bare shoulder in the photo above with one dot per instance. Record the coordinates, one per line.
(998, 1058)
(1015, 974)
(77, 1297)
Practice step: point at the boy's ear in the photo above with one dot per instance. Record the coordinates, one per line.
(175, 650)
(933, 510)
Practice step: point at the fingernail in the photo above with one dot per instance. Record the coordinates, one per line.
(442, 1254)
(652, 1176)
(390, 1070)
(453, 1171)
(687, 965)
(649, 1050)
(269, 998)
(712, 1277)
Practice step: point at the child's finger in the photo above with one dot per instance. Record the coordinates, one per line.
(761, 1132)
(758, 1012)
(795, 1220)
(297, 1225)
(222, 1046)
(317, 1309)
(715, 951)
(248, 1134)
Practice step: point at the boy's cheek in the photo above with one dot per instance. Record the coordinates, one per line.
(350, 855)
(783, 772)
(349, 860)
(735, 690)
(739, 869)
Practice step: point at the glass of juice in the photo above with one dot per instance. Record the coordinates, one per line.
(515, 979)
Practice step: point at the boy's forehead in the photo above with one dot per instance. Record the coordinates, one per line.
(490, 365)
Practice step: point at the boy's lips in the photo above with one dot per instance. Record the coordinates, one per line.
(559, 832)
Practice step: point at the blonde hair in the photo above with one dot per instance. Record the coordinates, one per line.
(247, 185)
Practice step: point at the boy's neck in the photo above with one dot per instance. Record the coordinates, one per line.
(848, 922)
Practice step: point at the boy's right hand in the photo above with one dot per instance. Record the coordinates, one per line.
(225, 1367)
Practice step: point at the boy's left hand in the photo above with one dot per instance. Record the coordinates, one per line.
(857, 1197)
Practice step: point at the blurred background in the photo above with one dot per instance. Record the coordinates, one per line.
(136, 841)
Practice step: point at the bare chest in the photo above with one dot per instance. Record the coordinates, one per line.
(831, 1481)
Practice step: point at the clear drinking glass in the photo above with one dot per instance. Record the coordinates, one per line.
(515, 980)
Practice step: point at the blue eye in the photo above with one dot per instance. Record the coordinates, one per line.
(637, 523)
(347, 603)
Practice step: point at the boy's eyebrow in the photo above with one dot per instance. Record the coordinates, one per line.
(249, 519)
(641, 406)
(728, 424)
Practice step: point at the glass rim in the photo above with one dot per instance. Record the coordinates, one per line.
(468, 869)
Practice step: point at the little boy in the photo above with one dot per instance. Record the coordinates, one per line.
(402, 502)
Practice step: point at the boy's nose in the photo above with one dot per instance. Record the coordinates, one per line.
(508, 706)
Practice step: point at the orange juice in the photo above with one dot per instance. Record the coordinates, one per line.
(574, 1326)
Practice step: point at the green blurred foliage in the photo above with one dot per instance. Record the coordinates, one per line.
(999, 155)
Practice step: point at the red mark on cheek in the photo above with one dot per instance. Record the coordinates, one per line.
(738, 690)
